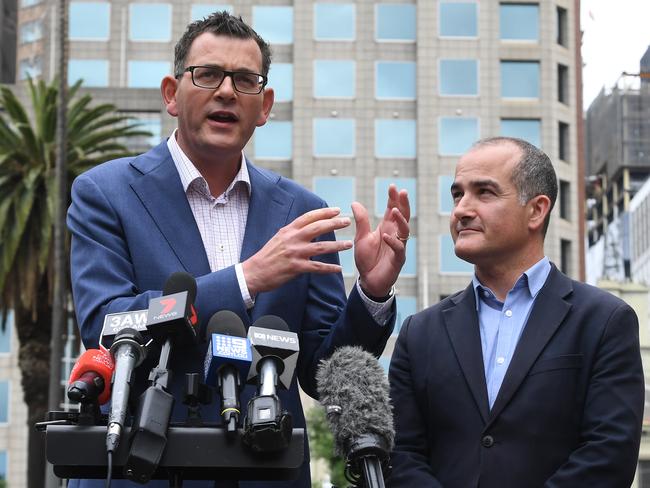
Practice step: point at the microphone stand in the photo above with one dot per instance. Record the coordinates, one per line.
(365, 458)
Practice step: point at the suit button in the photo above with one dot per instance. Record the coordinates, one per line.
(487, 441)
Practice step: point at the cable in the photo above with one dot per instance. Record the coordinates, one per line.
(109, 475)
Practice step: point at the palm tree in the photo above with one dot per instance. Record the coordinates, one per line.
(27, 202)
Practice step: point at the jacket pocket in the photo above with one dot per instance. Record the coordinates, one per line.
(566, 361)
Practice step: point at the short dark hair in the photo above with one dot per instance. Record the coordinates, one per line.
(219, 24)
(534, 174)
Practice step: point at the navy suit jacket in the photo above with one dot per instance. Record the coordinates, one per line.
(132, 227)
(568, 413)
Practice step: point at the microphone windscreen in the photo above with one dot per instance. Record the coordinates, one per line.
(271, 322)
(353, 380)
(99, 361)
(225, 322)
(181, 281)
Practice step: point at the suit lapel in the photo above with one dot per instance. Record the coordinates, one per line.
(547, 314)
(268, 211)
(161, 192)
(462, 326)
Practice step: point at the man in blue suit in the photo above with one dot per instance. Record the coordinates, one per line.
(256, 242)
(526, 378)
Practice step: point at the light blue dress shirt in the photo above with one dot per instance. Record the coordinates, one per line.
(501, 323)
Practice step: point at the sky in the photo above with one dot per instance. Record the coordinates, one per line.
(616, 34)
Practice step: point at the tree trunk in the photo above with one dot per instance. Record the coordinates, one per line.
(34, 363)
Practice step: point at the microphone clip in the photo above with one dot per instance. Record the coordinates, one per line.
(267, 428)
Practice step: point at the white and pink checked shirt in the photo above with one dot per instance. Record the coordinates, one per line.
(222, 222)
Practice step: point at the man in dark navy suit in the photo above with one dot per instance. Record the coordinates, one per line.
(257, 243)
(526, 378)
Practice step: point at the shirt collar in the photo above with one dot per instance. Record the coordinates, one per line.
(533, 278)
(188, 172)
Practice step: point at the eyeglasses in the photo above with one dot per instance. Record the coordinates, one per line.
(211, 77)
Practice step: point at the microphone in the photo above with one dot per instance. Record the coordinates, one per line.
(90, 377)
(115, 322)
(227, 361)
(354, 390)
(172, 316)
(267, 427)
(128, 352)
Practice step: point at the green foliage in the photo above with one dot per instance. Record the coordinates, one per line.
(321, 445)
(27, 180)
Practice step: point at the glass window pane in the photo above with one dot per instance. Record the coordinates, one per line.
(519, 22)
(94, 72)
(411, 265)
(334, 78)
(334, 137)
(449, 262)
(4, 401)
(274, 140)
(334, 21)
(89, 21)
(381, 193)
(458, 19)
(202, 10)
(281, 80)
(147, 74)
(3, 465)
(346, 258)
(395, 138)
(519, 79)
(5, 334)
(456, 135)
(29, 3)
(30, 68)
(274, 24)
(152, 125)
(458, 77)
(395, 80)
(526, 129)
(395, 22)
(337, 191)
(445, 202)
(158, 25)
(31, 31)
(406, 306)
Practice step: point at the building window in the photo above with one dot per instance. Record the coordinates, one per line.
(520, 79)
(395, 138)
(381, 193)
(274, 24)
(526, 129)
(281, 80)
(203, 10)
(30, 3)
(4, 402)
(395, 80)
(147, 74)
(30, 68)
(3, 465)
(89, 21)
(410, 268)
(395, 22)
(562, 26)
(337, 191)
(31, 31)
(456, 135)
(563, 141)
(445, 201)
(334, 137)
(334, 21)
(149, 122)
(5, 333)
(346, 258)
(449, 262)
(458, 77)
(562, 83)
(565, 202)
(458, 19)
(274, 140)
(158, 25)
(93, 72)
(565, 256)
(406, 306)
(334, 78)
(519, 22)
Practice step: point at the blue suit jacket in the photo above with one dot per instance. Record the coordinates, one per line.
(132, 227)
(568, 413)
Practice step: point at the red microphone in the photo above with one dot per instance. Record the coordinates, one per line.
(90, 379)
